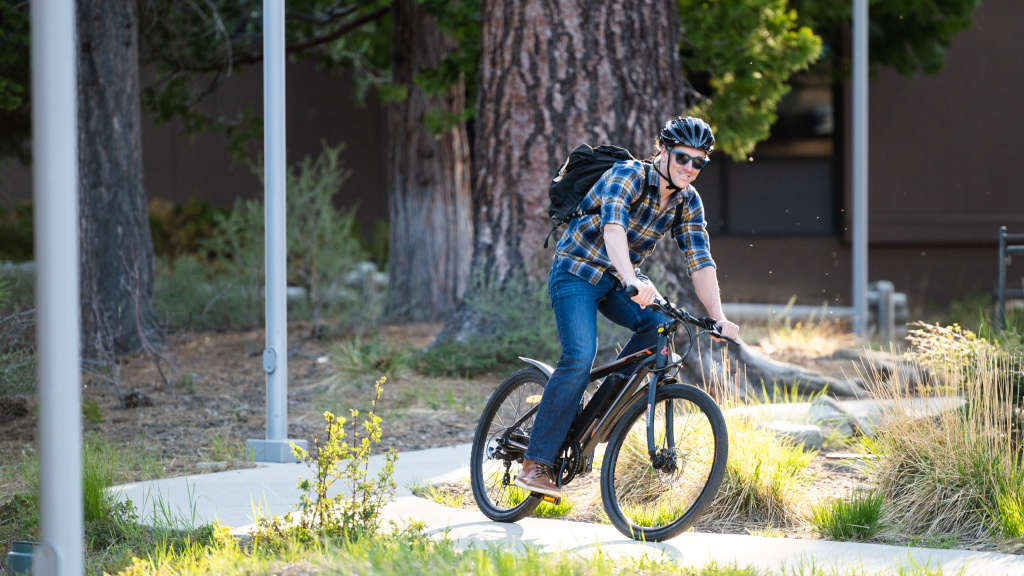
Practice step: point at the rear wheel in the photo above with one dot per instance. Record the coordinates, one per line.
(657, 498)
(494, 466)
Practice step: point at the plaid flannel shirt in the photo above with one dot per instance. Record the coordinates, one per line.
(581, 246)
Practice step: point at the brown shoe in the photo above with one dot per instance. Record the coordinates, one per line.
(536, 477)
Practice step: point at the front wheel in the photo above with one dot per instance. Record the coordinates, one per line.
(494, 463)
(655, 498)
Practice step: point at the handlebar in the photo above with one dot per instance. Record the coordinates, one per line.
(705, 323)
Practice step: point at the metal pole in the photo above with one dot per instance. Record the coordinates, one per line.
(276, 447)
(1001, 306)
(55, 179)
(860, 166)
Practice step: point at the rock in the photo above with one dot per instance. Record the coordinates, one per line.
(826, 412)
(807, 435)
(136, 399)
(212, 466)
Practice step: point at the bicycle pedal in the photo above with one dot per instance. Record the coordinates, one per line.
(552, 499)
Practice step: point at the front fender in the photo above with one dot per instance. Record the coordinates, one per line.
(547, 370)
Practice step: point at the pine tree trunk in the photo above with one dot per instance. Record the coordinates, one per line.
(556, 73)
(117, 251)
(428, 186)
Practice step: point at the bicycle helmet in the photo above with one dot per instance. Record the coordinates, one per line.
(688, 131)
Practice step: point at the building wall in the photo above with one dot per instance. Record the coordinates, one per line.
(320, 109)
(945, 149)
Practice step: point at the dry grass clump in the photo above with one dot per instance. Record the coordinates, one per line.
(764, 478)
(815, 337)
(960, 473)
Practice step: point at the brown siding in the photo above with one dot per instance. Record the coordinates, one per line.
(944, 155)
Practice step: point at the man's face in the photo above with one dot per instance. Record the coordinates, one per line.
(683, 174)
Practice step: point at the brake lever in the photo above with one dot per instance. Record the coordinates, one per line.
(716, 332)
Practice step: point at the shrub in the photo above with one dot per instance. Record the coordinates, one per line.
(360, 355)
(192, 295)
(322, 242)
(17, 331)
(222, 284)
(180, 229)
(354, 512)
(16, 232)
(856, 518)
(953, 474)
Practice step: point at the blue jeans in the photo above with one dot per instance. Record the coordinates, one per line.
(576, 302)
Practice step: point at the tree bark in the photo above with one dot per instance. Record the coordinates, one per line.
(116, 248)
(555, 73)
(428, 185)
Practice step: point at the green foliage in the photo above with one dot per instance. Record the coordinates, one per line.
(16, 231)
(856, 518)
(222, 285)
(360, 355)
(910, 36)
(193, 47)
(354, 512)
(15, 121)
(518, 321)
(1008, 512)
(763, 477)
(17, 331)
(953, 474)
(189, 294)
(749, 49)
(179, 229)
(459, 20)
(322, 243)
(91, 412)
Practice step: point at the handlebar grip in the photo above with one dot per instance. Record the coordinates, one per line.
(632, 291)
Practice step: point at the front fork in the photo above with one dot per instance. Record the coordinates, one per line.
(664, 353)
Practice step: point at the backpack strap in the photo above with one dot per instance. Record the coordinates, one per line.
(633, 206)
(593, 211)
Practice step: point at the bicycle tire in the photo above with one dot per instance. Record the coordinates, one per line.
(483, 435)
(618, 437)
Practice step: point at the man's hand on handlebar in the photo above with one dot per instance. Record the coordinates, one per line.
(728, 329)
(646, 292)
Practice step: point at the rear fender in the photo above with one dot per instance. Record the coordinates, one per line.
(547, 370)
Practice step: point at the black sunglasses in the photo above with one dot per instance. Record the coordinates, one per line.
(699, 162)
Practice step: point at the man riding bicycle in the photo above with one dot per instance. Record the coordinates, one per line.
(595, 259)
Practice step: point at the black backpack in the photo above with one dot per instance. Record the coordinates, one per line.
(581, 170)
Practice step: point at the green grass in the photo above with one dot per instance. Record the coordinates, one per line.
(857, 518)
(1009, 514)
(111, 529)
(457, 500)
(441, 496)
(764, 476)
(373, 355)
(411, 552)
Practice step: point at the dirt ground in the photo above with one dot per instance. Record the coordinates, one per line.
(216, 400)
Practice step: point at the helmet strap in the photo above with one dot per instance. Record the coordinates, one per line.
(668, 177)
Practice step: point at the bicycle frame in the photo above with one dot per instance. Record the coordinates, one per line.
(596, 421)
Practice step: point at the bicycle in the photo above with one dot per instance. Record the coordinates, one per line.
(665, 442)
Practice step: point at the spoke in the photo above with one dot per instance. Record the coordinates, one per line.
(506, 496)
(651, 497)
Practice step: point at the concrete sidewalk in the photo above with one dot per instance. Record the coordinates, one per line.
(231, 498)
